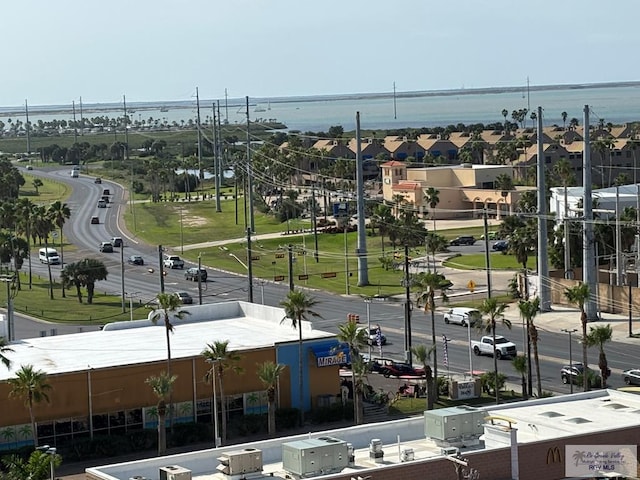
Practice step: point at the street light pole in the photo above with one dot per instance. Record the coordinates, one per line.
(571, 356)
(367, 302)
(216, 434)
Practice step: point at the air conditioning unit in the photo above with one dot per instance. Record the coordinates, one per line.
(240, 462)
(174, 472)
(408, 455)
(315, 456)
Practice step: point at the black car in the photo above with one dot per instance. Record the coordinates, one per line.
(106, 247)
(192, 274)
(463, 240)
(402, 370)
(97, 180)
(500, 246)
(574, 374)
(185, 297)
(135, 260)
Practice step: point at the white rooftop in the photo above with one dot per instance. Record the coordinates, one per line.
(245, 325)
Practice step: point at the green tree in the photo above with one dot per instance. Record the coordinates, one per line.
(579, 295)
(355, 338)
(37, 183)
(4, 348)
(520, 365)
(432, 197)
(528, 311)
(422, 353)
(598, 336)
(59, 213)
(30, 385)
(564, 120)
(162, 386)
(168, 306)
(36, 467)
(494, 311)
(427, 285)
(221, 359)
(72, 275)
(269, 374)
(91, 271)
(298, 307)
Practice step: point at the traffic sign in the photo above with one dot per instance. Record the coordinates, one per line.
(471, 285)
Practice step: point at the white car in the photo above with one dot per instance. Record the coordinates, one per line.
(463, 316)
(372, 336)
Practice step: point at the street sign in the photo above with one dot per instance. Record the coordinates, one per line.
(471, 285)
(54, 234)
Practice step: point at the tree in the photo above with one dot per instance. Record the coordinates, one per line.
(71, 275)
(494, 310)
(505, 113)
(4, 348)
(422, 354)
(427, 285)
(579, 295)
(528, 311)
(433, 199)
(59, 213)
(31, 386)
(162, 386)
(564, 120)
(298, 306)
(37, 183)
(598, 336)
(269, 374)
(355, 338)
(168, 306)
(36, 467)
(384, 220)
(221, 359)
(520, 365)
(91, 271)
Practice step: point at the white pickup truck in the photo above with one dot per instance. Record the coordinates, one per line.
(503, 348)
(173, 261)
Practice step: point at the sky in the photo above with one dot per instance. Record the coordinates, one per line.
(160, 50)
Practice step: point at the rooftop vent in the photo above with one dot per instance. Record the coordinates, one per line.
(615, 406)
(551, 414)
(577, 420)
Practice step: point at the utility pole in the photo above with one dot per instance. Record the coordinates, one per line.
(219, 156)
(75, 128)
(216, 158)
(314, 221)
(407, 307)
(126, 130)
(81, 120)
(161, 263)
(363, 269)
(346, 261)
(589, 274)
(200, 172)
(28, 126)
(249, 267)
(487, 257)
(226, 107)
(395, 116)
(619, 256)
(124, 298)
(567, 239)
(249, 170)
(543, 259)
(290, 256)
(199, 279)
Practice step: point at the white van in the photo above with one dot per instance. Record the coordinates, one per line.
(49, 255)
(463, 316)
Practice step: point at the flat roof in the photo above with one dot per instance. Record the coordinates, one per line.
(246, 326)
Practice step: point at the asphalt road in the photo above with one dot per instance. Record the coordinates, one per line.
(144, 283)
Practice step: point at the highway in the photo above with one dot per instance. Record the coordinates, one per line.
(224, 286)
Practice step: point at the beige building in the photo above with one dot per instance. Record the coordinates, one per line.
(465, 190)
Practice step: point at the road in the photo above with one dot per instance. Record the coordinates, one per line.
(224, 286)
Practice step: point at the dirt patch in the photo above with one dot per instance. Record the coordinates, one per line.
(191, 220)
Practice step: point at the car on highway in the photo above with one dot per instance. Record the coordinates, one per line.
(574, 374)
(117, 241)
(192, 274)
(173, 261)
(372, 336)
(97, 180)
(463, 316)
(102, 204)
(184, 297)
(95, 220)
(106, 247)
(463, 240)
(631, 376)
(29, 167)
(106, 191)
(135, 260)
(500, 246)
(398, 369)
(492, 236)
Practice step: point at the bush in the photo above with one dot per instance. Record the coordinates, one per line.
(286, 418)
(332, 413)
(247, 425)
(186, 433)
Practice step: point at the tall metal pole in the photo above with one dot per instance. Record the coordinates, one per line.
(314, 221)
(363, 269)
(407, 307)
(367, 302)
(346, 262)
(124, 299)
(28, 127)
(574, 330)
(199, 279)
(619, 260)
(487, 257)
(249, 170)
(395, 116)
(126, 129)
(81, 119)
(567, 239)
(637, 223)
(589, 275)
(290, 257)
(161, 271)
(219, 157)
(200, 172)
(226, 107)
(214, 147)
(543, 258)
(249, 267)
(75, 128)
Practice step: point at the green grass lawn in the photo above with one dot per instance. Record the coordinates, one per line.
(411, 406)
(473, 261)
(48, 193)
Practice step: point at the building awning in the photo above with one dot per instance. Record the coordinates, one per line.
(328, 355)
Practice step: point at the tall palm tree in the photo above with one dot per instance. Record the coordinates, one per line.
(422, 353)
(162, 386)
(4, 348)
(520, 365)
(91, 271)
(579, 295)
(168, 306)
(432, 197)
(564, 120)
(598, 336)
(427, 286)
(221, 359)
(269, 374)
(355, 338)
(25, 211)
(31, 386)
(494, 310)
(298, 306)
(528, 311)
(505, 112)
(60, 213)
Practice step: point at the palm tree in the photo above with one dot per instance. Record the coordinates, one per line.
(25, 213)
(422, 354)
(298, 306)
(31, 386)
(427, 285)
(4, 348)
(598, 336)
(168, 306)
(162, 386)
(433, 199)
(71, 276)
(221, 359)
(59, 213)
(355, 338)
(564, 120)
(494, 311)
(91, 271)
(528, 311)
(383, 219)
(505, 112)
(269, 374)
(520, 365)
(579, 295)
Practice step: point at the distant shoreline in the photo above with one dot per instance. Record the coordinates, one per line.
(236, 102)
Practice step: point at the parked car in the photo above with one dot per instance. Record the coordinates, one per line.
(135, 260)
(574, 373)
(97, 180)
(95, 220)
(106, 247)
(372, 336)
(117, 242)
(463, 316)
(377, 364)
(185, 297)
(500, 246)
(397, 369)
(631, 376)
(192, 274)
(463, 240)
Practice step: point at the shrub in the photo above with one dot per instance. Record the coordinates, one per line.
(286, 418)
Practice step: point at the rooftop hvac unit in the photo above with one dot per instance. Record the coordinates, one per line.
(408, 455)
(315, 456)
(174, 472)
(240, 462)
